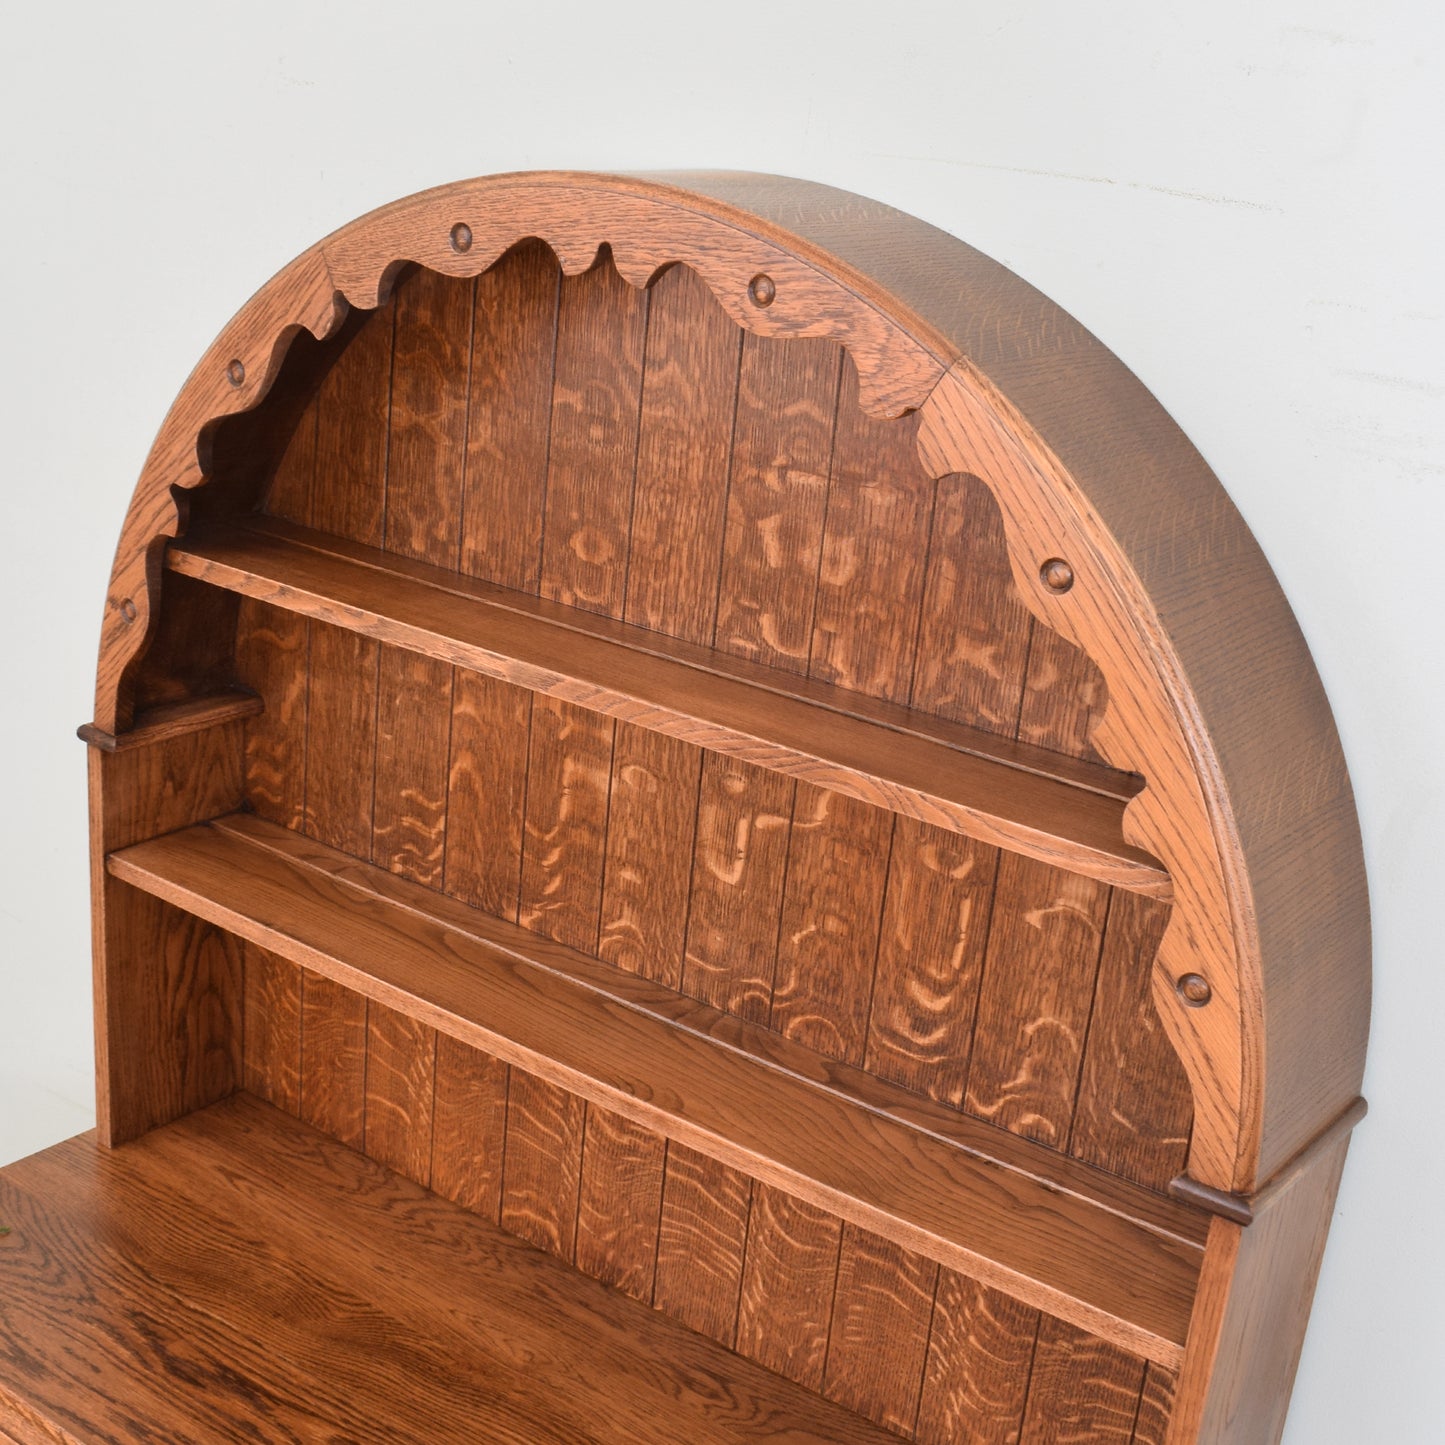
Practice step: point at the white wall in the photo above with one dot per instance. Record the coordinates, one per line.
(1243, 200)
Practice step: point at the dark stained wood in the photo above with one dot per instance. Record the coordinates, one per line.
(973, 638)
(543, 1163)
(777, 498)
(828, 940)
(1063, 698)
(879, 1340)
(980, 1351)
(428, 417)
(410, 781)
(743, 820)
(1156, 1404)
(160, 724)
(596, 392)
(271, 1067)
(685, 435)
(1082, 1391)
(273, 650)
(651, 821)
(570, 762)
(785, 1311)
(469, 1127)
(486, 787)
(930, 959)
(1036, 998)
(619, 1202)
(875, 549)
(1134, 1110)
(745, 1096)
(348, 491)
(901, 761)
(400, 1091)
(509, 417)
(701, 1243)
(333, 1059)
(189, 1288)
(341, 739)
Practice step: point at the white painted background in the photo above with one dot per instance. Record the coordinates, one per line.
(1243, 200)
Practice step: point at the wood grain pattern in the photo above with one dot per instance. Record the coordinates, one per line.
(469, 1127)
(272, 1029)
(701, 1243)
(619, 1202)
(272, 658)
(930, 959)
(785, 1312)
(333, 1059)
(400, 1092)
(543, 1164)
(341, 739)
(651, 821)
(980, 1353)
(828, 939)
(509, 414)
(596, 392)
(879, 1340)
(684, 439)
(777, 498)
(1035, 1002)
(216, 1281)
(1082, 1391)
(1156, 1404)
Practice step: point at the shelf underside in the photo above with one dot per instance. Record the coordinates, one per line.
(1063, 812)
(1095, 1251)
(237, 1275)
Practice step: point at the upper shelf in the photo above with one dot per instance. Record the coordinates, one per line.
(1063, 812)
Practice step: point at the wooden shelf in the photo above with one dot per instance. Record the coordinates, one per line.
(1060, 811)
(1114, 1259)
(237, 1275)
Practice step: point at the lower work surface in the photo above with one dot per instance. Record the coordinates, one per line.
(238, 1276)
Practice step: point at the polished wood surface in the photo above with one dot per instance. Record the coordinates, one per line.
(240, 1276)
(708, 723)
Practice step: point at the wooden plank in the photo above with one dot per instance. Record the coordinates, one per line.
(272, 1029)
(1083, 1391)
(739, 868)
(568, 770)
(160, 724)
(469, 1127)
(701, 1242)
(1063, 698)
(685, 436)
(348, 491)
(980, 1351)
(1156, 1405)
(1065, 813)
(400, 1091)
(509, 413)
(273, 650)
(596, 390)
(333, 1059)
(1037, 993)
(543, 1163)
(973, 642)
(1134, 1108)
(786, 1307)
(879, 1341)
(1121, 1263)
(828, 940)
(410, 784)
(341, 738)
(288, 492)
(187, 1288)
(428, 416)
(486, 788)
(651, 821)
(930, 959)
(875, 549)
(777, 499)
(619, 1204)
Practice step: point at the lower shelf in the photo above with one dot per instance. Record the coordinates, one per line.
(237, 1275)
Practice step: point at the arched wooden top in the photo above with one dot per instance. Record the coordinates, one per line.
(1213, 696)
